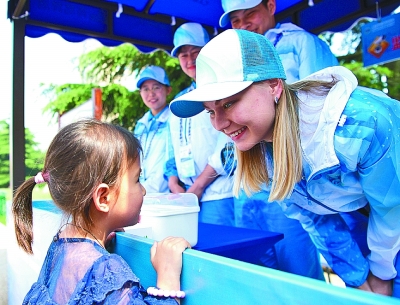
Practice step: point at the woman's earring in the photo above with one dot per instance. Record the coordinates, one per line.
(276, 100)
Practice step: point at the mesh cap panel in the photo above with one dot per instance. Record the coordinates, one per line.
(260, 60)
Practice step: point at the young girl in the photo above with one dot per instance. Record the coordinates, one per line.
(92, 170)
(322, 147)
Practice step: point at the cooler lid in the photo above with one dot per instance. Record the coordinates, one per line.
(157, 204)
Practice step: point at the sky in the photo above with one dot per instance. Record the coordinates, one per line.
(48, 60)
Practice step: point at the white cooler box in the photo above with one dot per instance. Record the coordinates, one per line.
(164, 215)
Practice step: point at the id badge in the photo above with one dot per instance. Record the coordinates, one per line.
(187, 161)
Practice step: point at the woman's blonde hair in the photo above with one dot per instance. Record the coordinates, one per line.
(252, 169)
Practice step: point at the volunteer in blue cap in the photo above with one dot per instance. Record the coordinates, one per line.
(321, 147)
(152, 128)
(196, 150)
(302, 53)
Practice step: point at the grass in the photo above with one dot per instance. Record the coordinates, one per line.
(39, 193)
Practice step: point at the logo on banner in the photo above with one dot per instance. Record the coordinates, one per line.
(381, 40)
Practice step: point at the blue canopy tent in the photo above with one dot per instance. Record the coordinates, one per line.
(149, 25)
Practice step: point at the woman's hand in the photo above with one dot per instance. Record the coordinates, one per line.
(365, 286)
(166, 257)
(377, 285)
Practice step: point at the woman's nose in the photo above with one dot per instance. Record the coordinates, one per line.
(220, 122)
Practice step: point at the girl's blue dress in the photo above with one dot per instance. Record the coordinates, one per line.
(79, 271)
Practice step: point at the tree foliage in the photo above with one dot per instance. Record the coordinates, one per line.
(105, 68)
(4, 154)
(384, 77)
(34, 157)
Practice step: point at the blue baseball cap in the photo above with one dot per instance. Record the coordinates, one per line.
(234, 5)
(190, 33)
(227, 65)
(153, 72)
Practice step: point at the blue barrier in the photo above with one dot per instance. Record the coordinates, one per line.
(212, 279)
(206, 278)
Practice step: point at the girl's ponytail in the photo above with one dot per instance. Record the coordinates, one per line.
(22, 214)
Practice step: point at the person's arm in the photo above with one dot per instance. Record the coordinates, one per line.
(166, 258)
(207, 176)
(174, 186)
(379, 171)
(216, 165)
(333, 240)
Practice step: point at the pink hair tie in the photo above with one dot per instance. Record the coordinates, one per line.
(39, 178)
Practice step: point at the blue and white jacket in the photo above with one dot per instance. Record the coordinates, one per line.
(301, 52)
(152, 133)
(351, 158)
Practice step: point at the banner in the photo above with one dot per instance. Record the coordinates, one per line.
(381, 40)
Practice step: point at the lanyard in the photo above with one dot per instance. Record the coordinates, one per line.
(188, 133)
(277, 38)
(189, 129)
(146, 151)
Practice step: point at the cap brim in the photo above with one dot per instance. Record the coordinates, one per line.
(141, 81)
(176, 49)
(224, 20)
(191, 103)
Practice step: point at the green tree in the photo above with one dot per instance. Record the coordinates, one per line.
(384, 77)
(4, 154)
(34, 157)
(105, 68)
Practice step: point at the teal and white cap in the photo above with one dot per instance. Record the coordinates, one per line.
(228, 64)
(153, 72)
(190, 33)
(234, 5)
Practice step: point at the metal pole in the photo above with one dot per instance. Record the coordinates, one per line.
(17, 126)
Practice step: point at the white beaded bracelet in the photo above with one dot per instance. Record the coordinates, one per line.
(154, 291)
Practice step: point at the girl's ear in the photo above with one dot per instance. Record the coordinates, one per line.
(276, 87)
(101, 197)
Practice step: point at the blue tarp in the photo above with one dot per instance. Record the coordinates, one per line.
(150, 24)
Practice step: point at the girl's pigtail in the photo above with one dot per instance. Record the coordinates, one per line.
(23, 214)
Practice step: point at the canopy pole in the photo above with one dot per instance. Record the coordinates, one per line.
(17, 126)
(18, 9)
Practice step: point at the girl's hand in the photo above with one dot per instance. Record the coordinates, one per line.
(166, 257)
